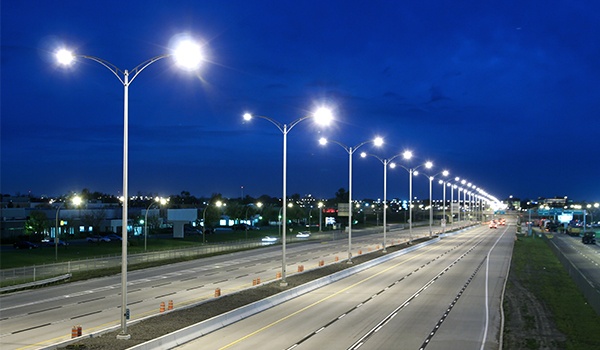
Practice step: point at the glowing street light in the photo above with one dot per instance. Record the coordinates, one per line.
(378, 141)
(320, 206)
(321, 116)
(407, 155)
(159, 201)
(431, 178)
(76, 201)
(385, 162)
(218, 204)
(188, 56)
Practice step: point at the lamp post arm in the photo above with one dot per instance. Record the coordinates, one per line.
(405, 168)
(118, 72)
(292, 124)
(279, 125)
(346, 148)
(361, 144)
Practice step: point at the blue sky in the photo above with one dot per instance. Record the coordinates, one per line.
(502, 93)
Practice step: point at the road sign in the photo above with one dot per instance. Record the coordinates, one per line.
(343, 209)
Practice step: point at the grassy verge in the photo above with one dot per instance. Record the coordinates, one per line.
(13, 258)
(537, 269)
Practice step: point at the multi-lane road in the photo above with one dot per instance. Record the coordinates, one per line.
(36, 318)
(442, 296)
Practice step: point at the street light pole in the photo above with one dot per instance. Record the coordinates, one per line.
(159, 200)
(444, 205)
(219, 204)
(378, 141)
(452, 203)
(385, 162)
(188, 55)
(56, 232)
(407, 155)
(76, 201)
(431, 178)
(322, 116)
(320, 206)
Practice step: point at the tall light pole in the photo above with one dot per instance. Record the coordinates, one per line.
(464, 191)
(431, 178)
(321, 116)
(159, 201)
(187, 55)
(385, 162)
(452, 187)
(258, 205)
(458, 189)
(320, 206)
(76, 200)
(378, 141)
(443, 183)
(407, 155)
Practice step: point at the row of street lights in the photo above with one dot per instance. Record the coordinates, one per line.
(188, 55)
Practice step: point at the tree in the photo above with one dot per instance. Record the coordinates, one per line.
(342, 196)
(94, 219)
(36, 223)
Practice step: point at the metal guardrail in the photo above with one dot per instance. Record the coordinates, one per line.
(34, 273)
(36, 283)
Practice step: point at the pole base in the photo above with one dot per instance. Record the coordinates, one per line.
(349, 262)
(123, 336)
(283, 284)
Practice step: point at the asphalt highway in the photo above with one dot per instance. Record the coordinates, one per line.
(585, 256)
(37, 318)
(443, 296)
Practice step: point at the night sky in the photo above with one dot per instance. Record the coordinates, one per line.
(503, 93)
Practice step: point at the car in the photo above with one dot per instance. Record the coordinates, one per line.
(49, 242)
(589, 237)
(240, 227)
(24, 245)
(114, 237)
(97, 239)
(269, 239)
(493, 224)
(303, 234)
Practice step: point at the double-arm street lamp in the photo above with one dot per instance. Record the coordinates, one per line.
(76, 201)
(407, 155)
(431, 178)
(159, 201)
(452, 187)
(385, 162)
(444, 184)
(378, 141)
(187, 55)
(323, 117)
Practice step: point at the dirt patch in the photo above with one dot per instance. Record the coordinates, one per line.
(529, 322)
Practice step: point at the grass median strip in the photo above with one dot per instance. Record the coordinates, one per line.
(544, 308)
